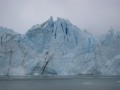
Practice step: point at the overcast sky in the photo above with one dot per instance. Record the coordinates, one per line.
(97, 16)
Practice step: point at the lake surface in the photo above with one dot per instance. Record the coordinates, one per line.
(60, 83)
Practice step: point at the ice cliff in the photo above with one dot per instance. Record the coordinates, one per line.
(58, 48)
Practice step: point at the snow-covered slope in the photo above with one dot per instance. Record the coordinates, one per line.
(58, 48)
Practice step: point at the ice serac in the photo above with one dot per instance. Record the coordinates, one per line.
(109, 53)
(58, 48)
(64, 48)
(10, 53)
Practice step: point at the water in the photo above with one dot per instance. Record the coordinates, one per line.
(60, 83)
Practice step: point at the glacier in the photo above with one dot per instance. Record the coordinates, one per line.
(58, 48)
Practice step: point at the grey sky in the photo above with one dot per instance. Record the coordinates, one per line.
(97, 16)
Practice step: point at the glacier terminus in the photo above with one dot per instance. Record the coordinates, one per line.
(58, 48)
